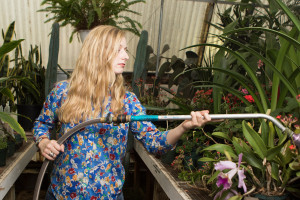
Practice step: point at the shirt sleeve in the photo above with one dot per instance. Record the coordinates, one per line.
(48, 116)
(154, 141)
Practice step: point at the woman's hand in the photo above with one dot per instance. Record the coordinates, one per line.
(199, 118)
(50, 148)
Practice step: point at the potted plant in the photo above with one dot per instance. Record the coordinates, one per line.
(31, 80)
(3, 150)
(5, 80)
(267, 162)
(86, 14)
(29, 90)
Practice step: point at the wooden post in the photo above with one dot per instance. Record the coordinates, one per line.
(11, 194)
(205, 29)
(158, 192)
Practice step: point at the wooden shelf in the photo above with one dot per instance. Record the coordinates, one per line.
(15, 166)
(174, 188)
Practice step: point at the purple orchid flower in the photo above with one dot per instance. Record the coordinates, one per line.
(225, 179)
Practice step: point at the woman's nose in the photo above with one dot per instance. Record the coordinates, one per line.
(125, 56)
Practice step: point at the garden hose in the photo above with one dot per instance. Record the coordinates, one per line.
(129, 118)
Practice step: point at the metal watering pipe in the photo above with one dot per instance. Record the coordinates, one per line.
(129, 118)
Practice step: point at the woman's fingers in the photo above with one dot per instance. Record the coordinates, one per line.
(52, 149)
(200, 117)
(206, 116)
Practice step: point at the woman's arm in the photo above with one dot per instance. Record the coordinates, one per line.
(199, 118)
(46, 122)
(156, 141)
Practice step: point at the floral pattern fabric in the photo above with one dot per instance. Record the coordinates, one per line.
(91, 165)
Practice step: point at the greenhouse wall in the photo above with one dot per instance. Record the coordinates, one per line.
(182, 24)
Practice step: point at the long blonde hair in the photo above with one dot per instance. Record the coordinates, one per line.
(93, 79)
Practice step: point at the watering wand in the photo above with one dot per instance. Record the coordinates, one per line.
(129, 118)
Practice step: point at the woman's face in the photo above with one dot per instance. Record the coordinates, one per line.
(120, 60)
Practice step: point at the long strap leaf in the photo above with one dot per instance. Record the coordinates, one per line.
(247, 68)
(254, 140)
(243, 81)
(13, 123)
(278, 73)
(229, 89)
(281, 34)
(289, 13)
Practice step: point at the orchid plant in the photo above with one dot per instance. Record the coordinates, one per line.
(270, 161)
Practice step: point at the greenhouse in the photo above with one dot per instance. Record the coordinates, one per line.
(150, 99)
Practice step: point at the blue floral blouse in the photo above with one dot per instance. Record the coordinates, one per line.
(91, 165)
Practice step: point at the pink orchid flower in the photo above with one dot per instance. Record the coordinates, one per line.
(225, 179)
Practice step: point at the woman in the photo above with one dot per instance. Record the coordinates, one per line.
(89, 164)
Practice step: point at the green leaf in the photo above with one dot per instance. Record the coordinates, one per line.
(289, 13)
(246, 66)
(286, 156)
(246, 83)
(13, 124)
(7, 47)
(154, 108)
(285, 36)
(238, 197)
(7, 92)
(269, 63)
(213, 177)
(221, 135)
(264, 132)
(182, 106)
(276, 80)
(221, 148)
(271, 135)
(282, 136)
(248, 154)
(237, 93)
(273, 152)
(207, 159)
(254, 140)
(275, 171)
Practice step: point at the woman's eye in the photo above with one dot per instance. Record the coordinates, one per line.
(126, 50)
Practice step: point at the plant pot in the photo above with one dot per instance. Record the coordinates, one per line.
(10, 148)
(19, 141)
(265, 197)
(3, 155)
(83, 34)
(30, 111)
(168, 157)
